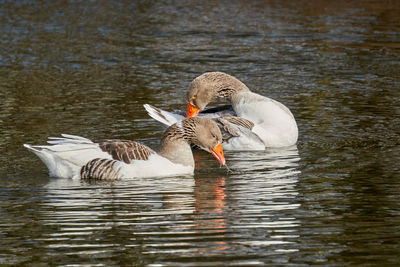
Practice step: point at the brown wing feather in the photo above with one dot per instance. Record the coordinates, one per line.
(125, 150)
(100, 169)
(239, 121)
(227, 129)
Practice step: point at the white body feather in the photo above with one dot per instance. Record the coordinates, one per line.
(155, 166)
(273, 122)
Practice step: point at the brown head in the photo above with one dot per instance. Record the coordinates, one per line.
(205, 134)
(208, 86)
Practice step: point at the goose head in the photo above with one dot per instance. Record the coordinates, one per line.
(208, 86)
(205, 134)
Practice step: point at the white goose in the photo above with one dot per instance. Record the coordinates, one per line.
(236, 132)
(273, 122)
(77, 157)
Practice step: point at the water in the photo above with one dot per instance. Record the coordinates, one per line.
(87, 67)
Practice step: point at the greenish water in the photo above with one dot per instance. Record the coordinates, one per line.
(87, 67)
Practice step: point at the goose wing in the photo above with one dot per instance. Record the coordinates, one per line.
(125, 150)
(233, 126)
(237, 134)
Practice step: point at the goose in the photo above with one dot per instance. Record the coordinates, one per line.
(75, 157)
(273, 122)
(236, 132)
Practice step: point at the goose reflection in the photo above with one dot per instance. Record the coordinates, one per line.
(263, 194)
(148, 193)
(253, 205)
(97, 218)
(209, 213)
(271, 160)
(212, 212)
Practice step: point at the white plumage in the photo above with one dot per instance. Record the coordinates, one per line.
(273, 122)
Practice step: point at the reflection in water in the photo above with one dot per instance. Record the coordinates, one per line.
(210, 212)
(98, 218)
(272, 160)
(266, 188)
(188, 216)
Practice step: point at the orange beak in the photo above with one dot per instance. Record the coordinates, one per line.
(218, 153)
(192, 111)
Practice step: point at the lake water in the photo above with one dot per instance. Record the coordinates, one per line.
(87, 67)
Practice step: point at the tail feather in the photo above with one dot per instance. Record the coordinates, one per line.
(47, 158)
(69, 139)
(35, 149)
(75, 137)
(66, 155)
(163, 116)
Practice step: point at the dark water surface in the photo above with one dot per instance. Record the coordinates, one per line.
(87, 67)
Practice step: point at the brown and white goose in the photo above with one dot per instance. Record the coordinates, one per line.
(73, 156)
(273, 122)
